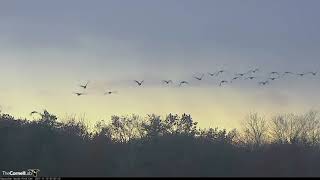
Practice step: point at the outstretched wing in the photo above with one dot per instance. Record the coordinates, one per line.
(87, 83)
(183, 82)
(137, 81)
(33, 112)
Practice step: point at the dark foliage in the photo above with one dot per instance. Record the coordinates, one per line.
(153, 146)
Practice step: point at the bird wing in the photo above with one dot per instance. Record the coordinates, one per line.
(222, 82)
(249, 71)
(137, 81)
(184, 82)
(33, 112)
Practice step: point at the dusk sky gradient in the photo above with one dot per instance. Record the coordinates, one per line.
(47, 48)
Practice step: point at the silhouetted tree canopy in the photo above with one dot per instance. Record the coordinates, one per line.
(285, 145)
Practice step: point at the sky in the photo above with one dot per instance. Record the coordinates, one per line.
(48, 48)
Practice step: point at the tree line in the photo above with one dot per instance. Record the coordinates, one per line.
(155, 146)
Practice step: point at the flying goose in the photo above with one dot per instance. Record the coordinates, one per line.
(33, 112)
(240, 74)
(183, 82)
(85, 86)
(251, 77)
(167, 81)
(274, 73)
(235, 78)
(264, 82)
(199, 78)
(79, 94)
(313, 73)
(139, 83)
(301, 74)
(272, 78)
(223, 81)
(110, 92)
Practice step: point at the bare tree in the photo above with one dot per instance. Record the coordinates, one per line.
(255, 130)
(312, 127)
(294, 129)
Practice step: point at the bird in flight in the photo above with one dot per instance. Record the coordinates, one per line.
(251, 77)
(110, 92)
(139, 83)
(79, 94)
(301, 74)
(183, 82)
(287, 72)
(235, 78)
(212, 74)
(33, 112)
(313, 73)
(85, 86)
(167, 81)
(274, 73)
(264, 82)
(222, 82)
(220, 72)
(255, 70)
(240, 74)
(272, 78)
(199, 78)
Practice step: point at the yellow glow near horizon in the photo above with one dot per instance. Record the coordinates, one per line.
(211, 107)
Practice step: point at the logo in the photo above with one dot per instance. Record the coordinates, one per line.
(34, 172)
(29, 172)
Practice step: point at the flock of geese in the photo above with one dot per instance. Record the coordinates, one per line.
(249, 75)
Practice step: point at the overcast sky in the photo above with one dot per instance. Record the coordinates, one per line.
(47, 48)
